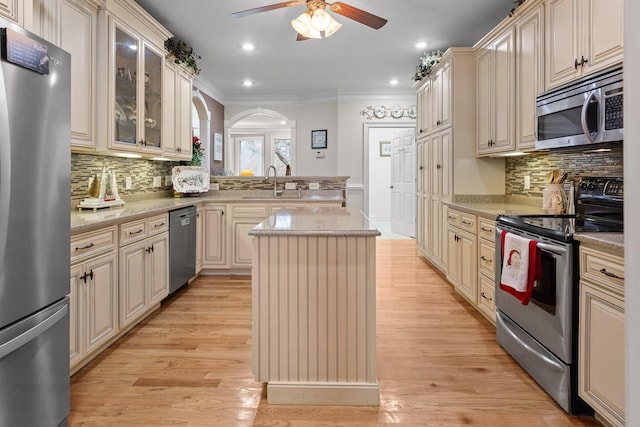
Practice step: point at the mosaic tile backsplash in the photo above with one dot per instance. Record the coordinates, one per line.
(577, 164)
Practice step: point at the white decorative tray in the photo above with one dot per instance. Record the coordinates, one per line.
(190, 179)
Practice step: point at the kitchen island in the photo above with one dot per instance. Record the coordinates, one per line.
(314, 307)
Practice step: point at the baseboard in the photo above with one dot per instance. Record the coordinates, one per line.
(342, 394)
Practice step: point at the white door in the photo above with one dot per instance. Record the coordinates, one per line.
(403, 183)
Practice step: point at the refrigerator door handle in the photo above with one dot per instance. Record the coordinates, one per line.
(30, 334)
(5, 165)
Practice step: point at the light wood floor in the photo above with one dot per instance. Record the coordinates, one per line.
(438, 363)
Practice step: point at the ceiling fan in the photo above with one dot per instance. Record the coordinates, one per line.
(316, 22)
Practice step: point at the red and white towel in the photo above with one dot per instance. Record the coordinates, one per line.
(520, 266)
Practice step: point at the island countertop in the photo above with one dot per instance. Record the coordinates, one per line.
(316, 221)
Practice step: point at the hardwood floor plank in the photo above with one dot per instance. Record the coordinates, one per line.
(189, 364)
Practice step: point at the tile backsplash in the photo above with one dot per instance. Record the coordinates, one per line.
(577, 164)
(85, 166)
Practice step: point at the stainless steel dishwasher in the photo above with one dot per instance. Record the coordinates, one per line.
(182, 247)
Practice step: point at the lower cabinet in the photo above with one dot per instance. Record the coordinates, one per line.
(144, 277)
(199, 235)
(462, 270)
(486, 268)
(243, 219)
(94, 295)
(601, 379)
(214, 239)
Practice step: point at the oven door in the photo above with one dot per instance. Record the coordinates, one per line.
(548, 316)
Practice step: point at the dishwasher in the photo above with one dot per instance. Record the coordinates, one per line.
(182, 247)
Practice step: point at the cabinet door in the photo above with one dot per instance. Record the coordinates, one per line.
(529, 75)
(445, 162)
(150, 113)
(436, 165)
(133, 298)
(436, 232)
(169, 116)
(562, 23)
(157, 264)
(503, 87)
(453, 257)
(603, 31)
(76, 315)
(9, 9)
(214, 240)
(242, 246)
(436, 100)
(126, 101)
(78, 37)
(199, 234)
(446, 104)
(601, 380)
(467, 282)
(486, 298)
(101, 301)
(484, 101)
(183, 136)
(424, 109)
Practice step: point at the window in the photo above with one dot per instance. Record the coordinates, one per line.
(250, 152)
(281, 155)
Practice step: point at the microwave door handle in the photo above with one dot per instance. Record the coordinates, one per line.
(583, 117)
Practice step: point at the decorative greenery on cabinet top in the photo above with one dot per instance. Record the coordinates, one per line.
(183, 54)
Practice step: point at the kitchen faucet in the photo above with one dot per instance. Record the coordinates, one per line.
(275, 180)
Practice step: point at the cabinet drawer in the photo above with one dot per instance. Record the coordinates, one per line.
(602, 268)
(245, 211)
(158, 224)
(133, 231)
(487, 229)
(92, 243)
(486, 255)
(453, 217)
(486, 300)
(468, 222)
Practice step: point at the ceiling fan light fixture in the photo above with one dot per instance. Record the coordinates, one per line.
(333, 27)
(320, 20)
(302, 25)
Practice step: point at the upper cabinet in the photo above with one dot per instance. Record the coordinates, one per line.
(423, 119)
(441, 105)
(496, 94)
(176, 128)
(583, 36)
(13, 10)
(130, 73)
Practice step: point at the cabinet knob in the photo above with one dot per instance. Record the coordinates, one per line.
(421, 167)
(438, 166)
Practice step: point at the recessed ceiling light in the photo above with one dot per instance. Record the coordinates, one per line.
(421, 45)
(282, 122)
(247, 83)
(394, 82)
(248, 46)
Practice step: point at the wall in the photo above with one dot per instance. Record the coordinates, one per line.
(216, 126)
(577, 164)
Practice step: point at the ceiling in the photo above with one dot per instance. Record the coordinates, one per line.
(355, 61)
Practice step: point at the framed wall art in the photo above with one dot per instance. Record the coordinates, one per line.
(385, 148)
(318, 139)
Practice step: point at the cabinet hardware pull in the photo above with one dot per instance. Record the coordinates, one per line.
(485, 229)
(438, 123)
(451, 217)
(485, 297)
(135, 232)
(421, 167)
(609, 274)
(151, 248)
(583, 61)
(158, 225)
(576, 64)
(438, 166)
(486, 259)
(90, 245)
(465, 222)
(91, 274)
(84, 277)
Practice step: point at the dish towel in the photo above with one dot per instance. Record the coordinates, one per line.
(520, 266)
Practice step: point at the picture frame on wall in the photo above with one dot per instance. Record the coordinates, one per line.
(385, 148)
(318, 139)
(217, 147)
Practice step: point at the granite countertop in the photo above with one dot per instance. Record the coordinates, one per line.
(87, 220)
(318, 221)
(612, 241)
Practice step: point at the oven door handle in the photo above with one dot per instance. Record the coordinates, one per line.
(558, 250)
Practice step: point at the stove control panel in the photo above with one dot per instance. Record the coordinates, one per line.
(611, 188)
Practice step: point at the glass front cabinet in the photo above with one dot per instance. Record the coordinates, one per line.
(130, 82)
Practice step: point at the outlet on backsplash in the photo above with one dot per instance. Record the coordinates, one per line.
(314, 186)
(290, 186)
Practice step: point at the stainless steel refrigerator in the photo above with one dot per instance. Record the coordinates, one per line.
(35, 161)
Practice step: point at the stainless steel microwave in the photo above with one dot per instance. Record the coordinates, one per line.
(584, 112)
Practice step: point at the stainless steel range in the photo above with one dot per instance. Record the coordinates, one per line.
(542, 334)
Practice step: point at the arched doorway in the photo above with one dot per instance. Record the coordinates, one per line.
(201, 127)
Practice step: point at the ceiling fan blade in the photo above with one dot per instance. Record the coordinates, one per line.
(301, 38)
(267, 8)
(356, 14)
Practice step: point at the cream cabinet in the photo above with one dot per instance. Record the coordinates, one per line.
(177, 85)
(486, 268)
(601, 378)
(423, 195)
(13, 10)
(423, 103)
(440, 171)
(243, 218)
(214, 239)
(529, 56)
(583, 36)
(462, 269)
(496, 95)
(144, 267)
(441, 102)
(130, 60)
(199, 238)
(94, 294)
